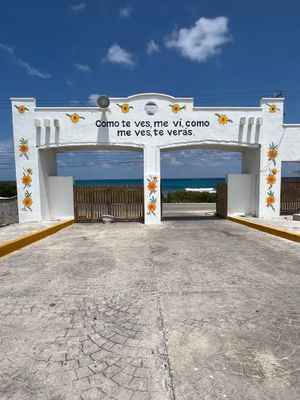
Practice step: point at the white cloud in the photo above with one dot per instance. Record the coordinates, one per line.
(92, 101)
(201, 41)
(6, 145)
(82, 67)
(29, 69)
(78, 7)
(117, 55)
(69, 82)
(126, 11)
(152, 47)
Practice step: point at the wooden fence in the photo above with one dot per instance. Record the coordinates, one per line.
(124, 203)
(290, 196)
(221, 202)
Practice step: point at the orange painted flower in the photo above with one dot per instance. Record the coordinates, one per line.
(175, 108)
(271, 180)
(152, 186)
(272, 108)
(155, 178)
(151, 207)
(21, 109)
(75, 118)
(274, 171)
(23, 148)
(223, 119)
(27, 202)
(26, 180)
(270, 200)
(272, 154)
(125, 108)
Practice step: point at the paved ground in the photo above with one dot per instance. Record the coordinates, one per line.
(183, 311)
(14, 231)
(178, 211)
(285, 223)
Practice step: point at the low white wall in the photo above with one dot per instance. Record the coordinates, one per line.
(8, 210)
(61, 200)
(239, 193)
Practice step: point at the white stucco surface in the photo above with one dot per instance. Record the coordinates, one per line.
(61, 197)
(254, 131)
(239, 194)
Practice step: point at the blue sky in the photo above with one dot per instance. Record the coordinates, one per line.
(219, 52)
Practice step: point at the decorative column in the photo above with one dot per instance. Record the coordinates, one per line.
(270, 157)
(152, 199)
(26, 159)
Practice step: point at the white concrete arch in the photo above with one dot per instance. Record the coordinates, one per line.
(211, 145)
(153, 123)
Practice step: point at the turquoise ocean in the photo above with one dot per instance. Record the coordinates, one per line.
(168, 185)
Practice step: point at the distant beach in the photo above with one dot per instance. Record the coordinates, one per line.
(168, 185)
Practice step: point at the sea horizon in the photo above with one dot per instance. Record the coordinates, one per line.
(168, 184)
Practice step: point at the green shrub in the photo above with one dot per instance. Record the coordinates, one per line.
(8, 189)
(189, 197)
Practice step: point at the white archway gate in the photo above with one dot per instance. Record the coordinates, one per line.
(151, 123)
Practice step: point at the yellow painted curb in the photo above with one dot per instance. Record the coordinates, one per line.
(19, 243)
(295, 237)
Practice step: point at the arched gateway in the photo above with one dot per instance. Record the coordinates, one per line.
(151, 123)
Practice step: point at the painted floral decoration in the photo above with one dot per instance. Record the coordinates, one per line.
(152, 184)
(176, 108)
(74, 117)
(27, 201)
(152, 206)
(26, 178)
(23, 148)
(223, 119)
(271, 178)
(273, 153)
(21, 109)
(125, 107)
(270, 200)
(272, 108)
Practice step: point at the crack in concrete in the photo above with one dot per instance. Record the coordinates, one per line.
(169, 386)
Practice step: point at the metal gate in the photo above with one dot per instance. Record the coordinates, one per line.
(290, 196)
(124, 203)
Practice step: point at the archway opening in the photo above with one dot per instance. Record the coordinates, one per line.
(190, 178)
(103, 184)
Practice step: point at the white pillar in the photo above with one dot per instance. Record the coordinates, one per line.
(270, 182)
(152, 202)
(251, 165)
(47, 167)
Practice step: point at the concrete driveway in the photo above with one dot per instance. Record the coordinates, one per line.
(188, 310)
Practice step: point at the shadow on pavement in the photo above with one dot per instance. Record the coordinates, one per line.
(192, 218)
